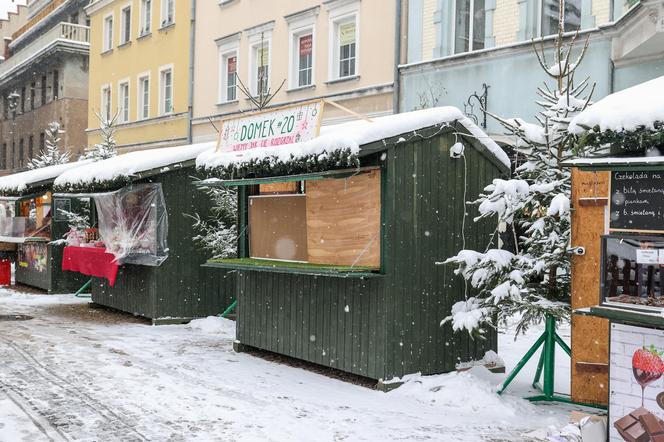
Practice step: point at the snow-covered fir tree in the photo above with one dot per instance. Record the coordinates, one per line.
(51, 154)
(107, 147)
(217, 234)
(533, 208)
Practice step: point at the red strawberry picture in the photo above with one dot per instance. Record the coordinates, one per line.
(647, 367)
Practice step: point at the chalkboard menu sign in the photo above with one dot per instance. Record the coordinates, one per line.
(637, 202)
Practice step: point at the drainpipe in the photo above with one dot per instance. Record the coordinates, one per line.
(612, 76)
(397, 60)
(192, 46)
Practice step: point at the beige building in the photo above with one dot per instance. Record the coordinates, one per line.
(341, 50)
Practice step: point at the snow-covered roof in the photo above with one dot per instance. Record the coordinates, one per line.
(615, 161)
(353, 135)
(640, 105)
(130, 164)
(20, 182)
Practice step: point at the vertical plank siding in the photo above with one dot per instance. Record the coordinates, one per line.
(392, 326)
(180, 288)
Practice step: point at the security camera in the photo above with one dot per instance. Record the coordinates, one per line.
(577, 251)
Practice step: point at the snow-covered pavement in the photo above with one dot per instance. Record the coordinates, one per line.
(71, 373)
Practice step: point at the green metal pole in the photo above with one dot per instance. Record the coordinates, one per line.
(229, 309)
(549, 359)
(85, 286)
(538, 372)
(522, 363)
(562, 343)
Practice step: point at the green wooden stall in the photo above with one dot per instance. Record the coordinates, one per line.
(179, 289)
(383, 320)
(30, 225)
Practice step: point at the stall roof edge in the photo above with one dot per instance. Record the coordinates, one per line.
(35, 180)
(610, 163)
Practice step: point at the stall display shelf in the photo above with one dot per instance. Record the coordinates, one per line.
(294, 267)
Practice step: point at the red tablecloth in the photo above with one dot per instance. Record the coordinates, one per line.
(92, 261)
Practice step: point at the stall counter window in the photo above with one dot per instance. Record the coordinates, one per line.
(330, 224)
(27, 217)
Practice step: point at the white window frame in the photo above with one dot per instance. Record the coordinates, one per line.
(126, 40)
(162, 89)
(471, 28)
(340, 15)
(226, 52)
(164, 13)
(254, 45)
(297, 31)
(143, 29)
(121, 101)
(106, 105)
(107, 43)
(540, 19)
(140, 94)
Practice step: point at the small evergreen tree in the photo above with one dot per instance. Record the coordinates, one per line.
(218, 234)
(107, 147)
(51, 154)
(532, 281)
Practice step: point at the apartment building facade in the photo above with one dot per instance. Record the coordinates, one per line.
(43, 78)
(340, 50)
(139, 71)
(457, 48)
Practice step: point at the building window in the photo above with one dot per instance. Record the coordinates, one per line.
(43, 90)
(56, 84)
(260, 71)
(550, 16)
(345, 47)
(20, 153)
(166, 91)
(23, 99)
(13, 156)
(42, 141)
(125, 35)
(108, 33)
(33, 93)
(469, 26)
(3, 156)
(167, 12)
(146, 16)
(123, 100)
(31, 147)
(303, 59)
(228, 77)
(143, 97)
(106, 103)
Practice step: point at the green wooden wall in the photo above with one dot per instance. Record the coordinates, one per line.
(392, 324)
(179, 289)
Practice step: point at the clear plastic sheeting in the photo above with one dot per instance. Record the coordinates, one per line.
(133, 224)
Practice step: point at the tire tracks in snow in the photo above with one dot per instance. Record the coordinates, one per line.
(38, 388)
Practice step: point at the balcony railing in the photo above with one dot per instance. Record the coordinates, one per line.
(62, 33)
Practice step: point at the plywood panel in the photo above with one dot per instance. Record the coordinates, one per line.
(590, 336)
(343, 220)
(278, 228)
(289, 187)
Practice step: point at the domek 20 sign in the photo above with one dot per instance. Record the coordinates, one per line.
(284, 125)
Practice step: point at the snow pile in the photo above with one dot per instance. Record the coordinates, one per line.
(351, 136)
(640, 105)
(214, 325)
(469, 393)
(129, 164)
(19, 182)
(491, 359)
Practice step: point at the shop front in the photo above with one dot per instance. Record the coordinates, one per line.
(31, 223)
(139, 251)
(339, 237)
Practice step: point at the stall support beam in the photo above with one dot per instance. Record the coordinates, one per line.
(546, 365)
(79, 294)
(229, 309)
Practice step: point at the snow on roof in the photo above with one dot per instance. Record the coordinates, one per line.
(19, 182)
(640, 105)
(354, 134)
(130, 164)
(615, 161)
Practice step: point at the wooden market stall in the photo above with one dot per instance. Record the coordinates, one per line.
(618, 273)
(340, 238)
(149, 265)
(30, 220)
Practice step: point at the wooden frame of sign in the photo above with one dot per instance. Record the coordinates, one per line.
(319, 117)
(623, 229)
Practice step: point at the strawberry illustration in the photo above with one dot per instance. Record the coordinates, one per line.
(647, 367)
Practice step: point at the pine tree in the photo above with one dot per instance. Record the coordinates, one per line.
(107, 147)
(218, 234)
(533, 208)
(51, 154)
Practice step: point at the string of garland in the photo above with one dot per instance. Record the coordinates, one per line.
(274, 166)
(641, 140)
(94, 186)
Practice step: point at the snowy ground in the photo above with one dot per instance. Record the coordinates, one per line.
(71, 374)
